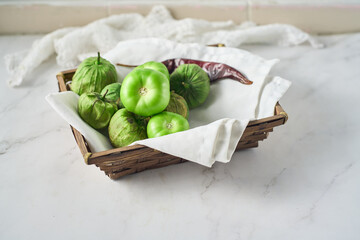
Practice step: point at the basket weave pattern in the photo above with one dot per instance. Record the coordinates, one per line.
(127, 160)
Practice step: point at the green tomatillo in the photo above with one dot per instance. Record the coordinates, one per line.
(126, 128)
(145, 92)
(192, 83)
(113, 94)
(177, 104)
(158, 66)
(166, 123)
(92, 75)
(94, 109)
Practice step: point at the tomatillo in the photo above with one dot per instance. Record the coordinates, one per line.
(158, 66)
(113, 94)
(166, 123)
(126, 128)
(94, 109)
(145, 92)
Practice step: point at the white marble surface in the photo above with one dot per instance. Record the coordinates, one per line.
(301, 183)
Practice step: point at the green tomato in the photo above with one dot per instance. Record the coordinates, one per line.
(166, 123)
(158, 66)
(145, 92)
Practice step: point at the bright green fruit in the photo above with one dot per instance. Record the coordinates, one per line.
(192, 83)
(126, 128)
(92, 75)
(145, 92)
(95, 110)
(166, 123)
(158, 66)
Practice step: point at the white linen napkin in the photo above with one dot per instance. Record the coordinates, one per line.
(65, 104)
(217, 125)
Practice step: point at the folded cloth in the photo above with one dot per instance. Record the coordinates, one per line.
(65, 104)
(217, 125)
(103, 35)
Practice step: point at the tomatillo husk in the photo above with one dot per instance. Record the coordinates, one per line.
(96, 110)
(125, 128)
(92, 75)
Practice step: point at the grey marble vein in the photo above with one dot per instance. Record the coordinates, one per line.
(310, 214)
(272, 183)
(6, 145)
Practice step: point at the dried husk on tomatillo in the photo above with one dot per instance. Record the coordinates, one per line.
(192, 83)
(125, 128)
(96, 110)
(177, 104)
(113, 94)
(92, 75)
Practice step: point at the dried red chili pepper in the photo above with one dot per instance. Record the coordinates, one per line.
(216, 71)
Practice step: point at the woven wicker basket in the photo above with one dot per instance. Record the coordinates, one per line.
(123, 161)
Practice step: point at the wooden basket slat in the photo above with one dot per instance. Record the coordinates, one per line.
(262, 126)
(160, 157)
(84, 148)
(137, 166)
(267, 130)
(169, 162)
(121, 174)
(118, 174)
(248, 145)
(257, 137)
(127, 160)
(133, 163)
(124, 155)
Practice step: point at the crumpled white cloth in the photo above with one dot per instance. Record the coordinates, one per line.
(69, 44)
(217, 125)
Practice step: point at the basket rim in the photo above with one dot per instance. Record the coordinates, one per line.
(280, 117)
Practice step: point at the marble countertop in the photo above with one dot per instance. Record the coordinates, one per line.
(300, 183)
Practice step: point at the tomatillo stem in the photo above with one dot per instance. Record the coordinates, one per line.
(107, 90)
(98, 59)
(186, 85)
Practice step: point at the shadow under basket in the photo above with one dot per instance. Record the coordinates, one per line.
(127, 160)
